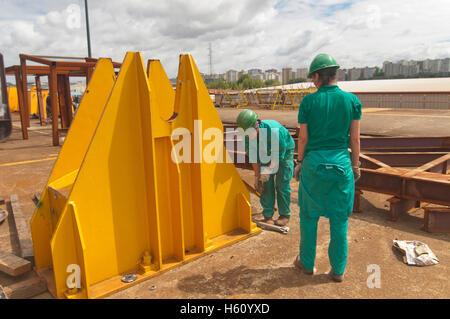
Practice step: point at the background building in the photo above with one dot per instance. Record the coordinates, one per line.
(231, 76)
(302, 73)
(286, 75)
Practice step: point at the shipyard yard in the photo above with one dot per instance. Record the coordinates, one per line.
(261, 266)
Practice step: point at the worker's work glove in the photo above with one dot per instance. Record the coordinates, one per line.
(258, 184)
(356, 171)
(297, 170)
(260, 179)
(264, 178)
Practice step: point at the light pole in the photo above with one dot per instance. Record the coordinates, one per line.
(87, 29)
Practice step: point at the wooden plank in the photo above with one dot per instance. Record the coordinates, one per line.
(27, 288)
(2, 293)
(36, 198)
(3, 215)
(23, 229)
(437, 219)
(12, 265)
(399, 207)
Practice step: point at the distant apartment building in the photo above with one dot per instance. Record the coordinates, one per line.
(208, 78)
(445, 65)
(242, 73)
(391, 69)
(272, 74)
(252, 72)
(340, 74)
(433, 66)
(231, 76)
(286, 75)
(367, 73)
(412, 68)
(302, 73)
(256, 74)
(354, 74)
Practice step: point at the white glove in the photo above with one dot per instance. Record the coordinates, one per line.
(356, 171)
(297, 170)
(264, 178)
(258, 184)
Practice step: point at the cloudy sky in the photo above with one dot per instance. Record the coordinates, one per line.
(244, 34)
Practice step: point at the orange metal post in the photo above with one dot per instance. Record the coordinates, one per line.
(21, 105)
(39, 100)
(53, 86)
(26, 104)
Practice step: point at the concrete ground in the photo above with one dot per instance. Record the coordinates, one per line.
(261, 266)
(403, 122)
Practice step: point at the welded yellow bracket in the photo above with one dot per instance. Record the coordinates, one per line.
(65, 170)
(121, 204)
(243, 101)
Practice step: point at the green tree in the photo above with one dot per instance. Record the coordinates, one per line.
(298, 80)
(271, 83)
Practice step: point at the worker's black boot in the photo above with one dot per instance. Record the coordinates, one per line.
(268, 220)
(336, 278)
(282, 221)
(299, 266)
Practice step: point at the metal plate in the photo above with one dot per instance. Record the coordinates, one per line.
(129, 278)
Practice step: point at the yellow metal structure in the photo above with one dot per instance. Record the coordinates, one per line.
(291, 98)
(229, 99)
(116, 203)
(32, 98)
(13, 99)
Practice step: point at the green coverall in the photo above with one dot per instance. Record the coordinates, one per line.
(326, 181)
(280, 181)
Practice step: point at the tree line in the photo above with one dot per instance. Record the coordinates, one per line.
(245, 82)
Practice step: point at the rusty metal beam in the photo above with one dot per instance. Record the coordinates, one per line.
(35, 59)
(399, 207)
(404, 159)
(53, 86)
(420, 187)
(23, 77)
(21, 104)
(40, 101)
(437, 219)
(439, 165)
(415, 143)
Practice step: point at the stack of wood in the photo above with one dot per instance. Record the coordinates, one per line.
(22, 281)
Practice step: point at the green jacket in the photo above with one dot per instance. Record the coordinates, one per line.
(263, 144)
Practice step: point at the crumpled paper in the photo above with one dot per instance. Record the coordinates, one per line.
(416, 253)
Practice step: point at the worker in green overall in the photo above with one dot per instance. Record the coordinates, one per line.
(329, 122)
(273, 172)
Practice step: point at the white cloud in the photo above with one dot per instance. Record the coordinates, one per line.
(244, 34)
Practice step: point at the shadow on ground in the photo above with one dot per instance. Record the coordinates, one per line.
(244, 280)
(406, 223)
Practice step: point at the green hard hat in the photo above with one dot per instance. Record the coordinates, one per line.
(247, 119)
(322, 61)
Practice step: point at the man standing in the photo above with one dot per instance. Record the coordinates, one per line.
(272, 176)
(329, 121)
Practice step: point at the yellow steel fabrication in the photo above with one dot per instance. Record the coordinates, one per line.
(116, 205)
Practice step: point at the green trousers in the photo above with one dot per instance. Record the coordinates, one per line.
(337, 249)
(326, 189)
(279, 185)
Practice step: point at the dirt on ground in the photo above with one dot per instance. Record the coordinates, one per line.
(261, 266)
(402, 122)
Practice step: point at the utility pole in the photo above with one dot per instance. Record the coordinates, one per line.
(210, 60)
(87, 29)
